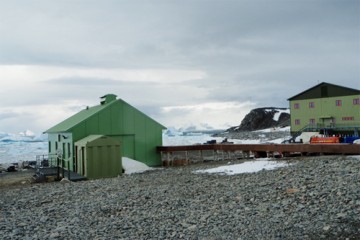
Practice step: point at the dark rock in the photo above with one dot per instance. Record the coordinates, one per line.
(263, 118)
(11, 169)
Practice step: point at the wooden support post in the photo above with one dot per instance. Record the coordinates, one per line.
(168, 159)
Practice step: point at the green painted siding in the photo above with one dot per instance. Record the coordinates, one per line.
(116, 124)
(105, 119)
(128, 117)
(127, 145)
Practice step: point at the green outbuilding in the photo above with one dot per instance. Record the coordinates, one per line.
(98, 156)
(137, 133)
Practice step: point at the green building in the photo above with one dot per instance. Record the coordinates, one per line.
(137, 133)
(326, 107)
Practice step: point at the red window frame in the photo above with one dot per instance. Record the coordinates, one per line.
(338, 103)
(296, 105)
(311, 104)
(297, 121)
(348, 118)
(356, 101)
(312, 121)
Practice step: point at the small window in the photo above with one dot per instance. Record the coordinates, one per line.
(49, 147)
(312, 121)
(348, 118)
(56, 146)
(311, 105)
(297, 105)
(297, 121)
(69, 152)
(356, 101)
(338, 103)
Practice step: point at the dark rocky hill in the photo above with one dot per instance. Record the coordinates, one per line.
(263, 118)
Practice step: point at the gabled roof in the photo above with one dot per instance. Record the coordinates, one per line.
(71, 122)
(79, 117)
(324, 90)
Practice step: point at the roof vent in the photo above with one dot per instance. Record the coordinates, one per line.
(107, 98)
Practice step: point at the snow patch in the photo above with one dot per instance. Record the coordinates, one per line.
(279, 112)
(191, 139)
(131, 166)
(246, 167)
(275, 129)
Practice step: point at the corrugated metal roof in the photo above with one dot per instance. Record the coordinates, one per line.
(69, 123)
(72, 121)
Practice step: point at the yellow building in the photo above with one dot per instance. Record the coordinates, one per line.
(326, 108)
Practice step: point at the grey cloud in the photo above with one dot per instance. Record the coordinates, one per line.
(165, 33)
(263, 51)
(8, 114)
(89, 82)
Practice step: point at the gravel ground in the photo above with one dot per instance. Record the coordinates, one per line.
(313, 198)
(9, 179)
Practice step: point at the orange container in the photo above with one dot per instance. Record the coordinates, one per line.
(325, 140)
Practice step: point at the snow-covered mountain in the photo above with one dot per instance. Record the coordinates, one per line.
(256, 119)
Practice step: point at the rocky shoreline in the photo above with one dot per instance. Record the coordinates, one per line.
(312, 198)
(251, 135)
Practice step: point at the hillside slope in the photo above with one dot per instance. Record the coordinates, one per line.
(263, 118)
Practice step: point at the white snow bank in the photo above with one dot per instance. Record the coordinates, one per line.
(279, 112)
(245, 141)
(275, 129)
(246, 167)
(188, 139)
(132, 166)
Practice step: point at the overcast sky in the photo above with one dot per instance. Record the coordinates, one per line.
(181, 62)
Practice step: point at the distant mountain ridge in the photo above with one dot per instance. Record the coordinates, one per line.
(263, 118)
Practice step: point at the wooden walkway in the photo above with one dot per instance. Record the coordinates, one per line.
(339, 148)
(171, 154)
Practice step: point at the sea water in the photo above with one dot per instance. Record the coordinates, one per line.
(17, 148)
